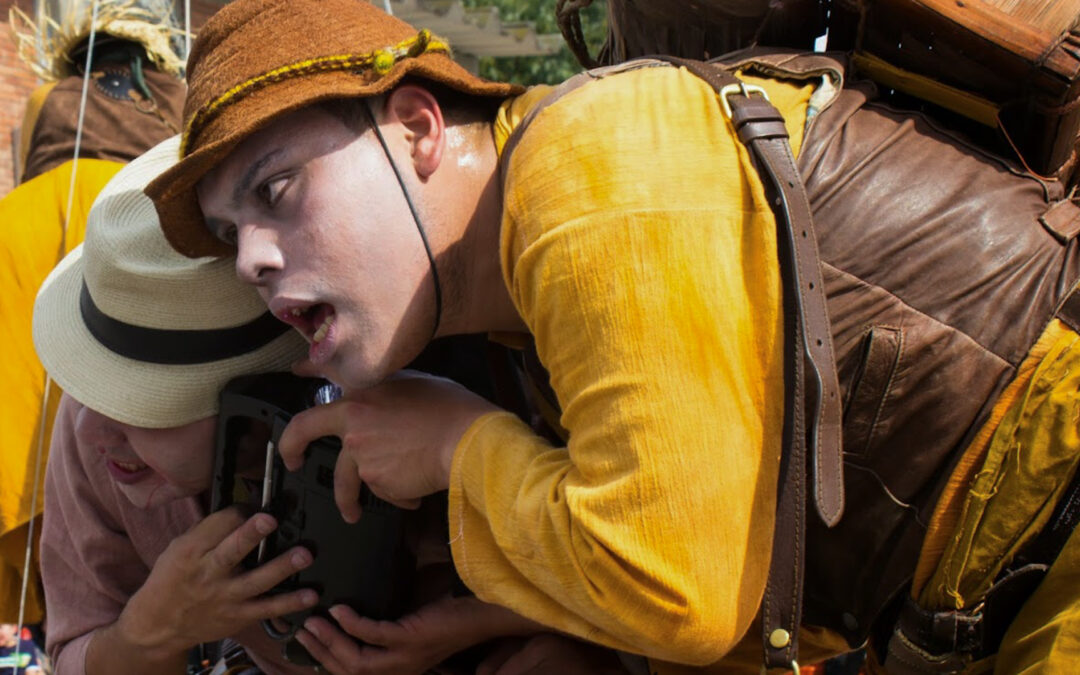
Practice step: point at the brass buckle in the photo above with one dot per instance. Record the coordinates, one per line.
(739, 88)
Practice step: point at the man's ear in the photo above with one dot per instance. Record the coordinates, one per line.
(419, 113)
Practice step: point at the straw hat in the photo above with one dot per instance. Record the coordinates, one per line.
(140, 333)
(257, 60)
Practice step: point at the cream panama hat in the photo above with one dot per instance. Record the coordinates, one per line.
(140, 333)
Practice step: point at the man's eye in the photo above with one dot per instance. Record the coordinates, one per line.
(228, 235)
(270, 191)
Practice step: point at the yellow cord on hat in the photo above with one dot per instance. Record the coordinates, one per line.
(380, 60)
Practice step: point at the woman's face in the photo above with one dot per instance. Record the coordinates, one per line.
(151, 467)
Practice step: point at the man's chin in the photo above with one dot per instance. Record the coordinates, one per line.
(355, 378)
(363, 369)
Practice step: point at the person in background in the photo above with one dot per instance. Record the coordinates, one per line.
(18, 653)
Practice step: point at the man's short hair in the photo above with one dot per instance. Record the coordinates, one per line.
(457, 108)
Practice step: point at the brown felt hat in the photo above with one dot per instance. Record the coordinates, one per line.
(256, 60)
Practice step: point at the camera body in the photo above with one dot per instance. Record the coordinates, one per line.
(366, 565)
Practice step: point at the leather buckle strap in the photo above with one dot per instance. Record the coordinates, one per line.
(738, 88)
(928, 641)
(942, 632)
(809, 360)
(761, 127)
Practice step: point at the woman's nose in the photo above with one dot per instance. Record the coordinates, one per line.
(91, 427)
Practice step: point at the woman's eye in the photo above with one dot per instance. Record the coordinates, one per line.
(228, 235)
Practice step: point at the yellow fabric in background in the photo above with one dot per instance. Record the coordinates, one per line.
(1000, 497)
(12, 559)
(951, 503)
(638, 247)
(1045, 636)
(31, 226)
(1032, 455)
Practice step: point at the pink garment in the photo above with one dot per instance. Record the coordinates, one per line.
(97, 549)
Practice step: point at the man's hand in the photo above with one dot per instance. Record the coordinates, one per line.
(397, 437)
(411, 645)
(196, 593)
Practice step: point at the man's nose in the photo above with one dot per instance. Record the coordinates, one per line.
(257, 255)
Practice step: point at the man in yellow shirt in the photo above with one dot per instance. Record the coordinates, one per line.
(626, 244)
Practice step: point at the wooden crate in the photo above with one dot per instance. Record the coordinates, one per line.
(1013, 64)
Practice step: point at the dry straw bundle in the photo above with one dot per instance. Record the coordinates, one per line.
(46, 44)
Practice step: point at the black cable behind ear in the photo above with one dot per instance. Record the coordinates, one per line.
(415, 215)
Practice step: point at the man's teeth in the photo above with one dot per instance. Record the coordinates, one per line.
(324, 328)
(296, 311)
(128, 466)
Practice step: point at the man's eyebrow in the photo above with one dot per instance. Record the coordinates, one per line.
(249, 176)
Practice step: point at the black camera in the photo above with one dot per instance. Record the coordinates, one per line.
(366, 565)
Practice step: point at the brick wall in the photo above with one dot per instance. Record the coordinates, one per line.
(17, 81)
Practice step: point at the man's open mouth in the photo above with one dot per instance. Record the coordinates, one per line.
(313, 321)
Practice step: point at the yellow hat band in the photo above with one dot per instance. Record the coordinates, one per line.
(379, 60)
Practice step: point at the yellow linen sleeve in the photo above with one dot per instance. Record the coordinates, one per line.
(638, 249)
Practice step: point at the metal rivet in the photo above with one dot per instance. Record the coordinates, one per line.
(779, 638)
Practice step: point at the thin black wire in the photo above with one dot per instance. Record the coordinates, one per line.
(416, 219)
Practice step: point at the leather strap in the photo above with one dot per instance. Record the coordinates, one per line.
(946, 642)
(809, 364)
(761, 128)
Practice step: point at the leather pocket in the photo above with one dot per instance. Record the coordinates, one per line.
(869, 391)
